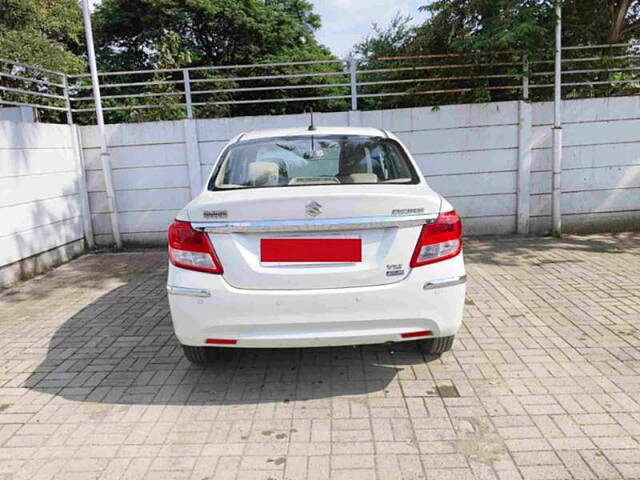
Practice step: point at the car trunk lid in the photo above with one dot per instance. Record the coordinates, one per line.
(314, 237)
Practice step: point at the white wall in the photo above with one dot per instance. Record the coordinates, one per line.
(469, 153)
(150, 178)
(40, 182)
(18, 114)
(600, 166)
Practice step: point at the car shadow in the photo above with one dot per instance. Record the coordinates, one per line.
(514, 250)
(120, 349)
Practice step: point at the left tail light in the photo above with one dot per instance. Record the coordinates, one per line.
(439, 240)
(191, 249)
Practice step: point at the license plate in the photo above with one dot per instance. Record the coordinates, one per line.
(311, 250)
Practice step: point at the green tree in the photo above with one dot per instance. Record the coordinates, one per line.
(525, 24)
(44, 33)
(490, 37)
(213, 32)
(528, 26)
(625, 19)
(485, 25)
(48, 33)
(386, 41)
(133, 35)
(372, 53)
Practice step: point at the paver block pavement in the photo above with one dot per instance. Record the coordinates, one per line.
(543, 381)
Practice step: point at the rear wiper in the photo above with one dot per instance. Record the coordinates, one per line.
(289, 148)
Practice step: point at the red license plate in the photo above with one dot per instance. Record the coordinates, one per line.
(339, 250)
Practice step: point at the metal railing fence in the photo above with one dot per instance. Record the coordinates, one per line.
(325, 85)
(22, 84)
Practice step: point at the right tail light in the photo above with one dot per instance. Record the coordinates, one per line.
(439, 240)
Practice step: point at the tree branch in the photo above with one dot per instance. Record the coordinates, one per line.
(620, 11)
(631, 26)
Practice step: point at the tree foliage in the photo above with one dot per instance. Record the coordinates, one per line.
(480, 33)
(524, 24)
(386, 40)
(48, 33)
(212, 32)
(485, 25)
(169, 34)
(148, 34)
(44, 33)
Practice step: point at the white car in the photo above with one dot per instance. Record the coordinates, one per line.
(315, 237)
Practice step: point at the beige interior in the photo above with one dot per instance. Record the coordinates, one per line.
(361, 178)
(263, 173)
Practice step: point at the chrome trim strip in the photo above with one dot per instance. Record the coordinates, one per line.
(445, 282)
(329, 224)
(190, 292)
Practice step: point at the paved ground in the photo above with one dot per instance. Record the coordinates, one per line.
(543, 382)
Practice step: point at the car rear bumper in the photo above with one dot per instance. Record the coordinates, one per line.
(204, 306)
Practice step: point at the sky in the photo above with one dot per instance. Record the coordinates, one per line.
(346, 22)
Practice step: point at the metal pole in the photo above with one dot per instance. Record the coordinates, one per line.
(187, 92)
(67, 100)
(354, 83)
(104, 152)
(85, 208)
(557, 129)
(525, 77)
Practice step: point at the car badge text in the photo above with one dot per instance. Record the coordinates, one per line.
(395, 270)
(407, 211)
(215, 214)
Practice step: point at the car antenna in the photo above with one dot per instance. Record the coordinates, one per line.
(311, 126)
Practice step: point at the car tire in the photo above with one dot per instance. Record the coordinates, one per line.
(198, 355)
(436, 346)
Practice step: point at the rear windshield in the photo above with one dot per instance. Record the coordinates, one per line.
(313, 160)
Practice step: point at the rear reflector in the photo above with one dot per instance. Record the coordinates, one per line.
(339, 250)
(220, 341)
(421, 333)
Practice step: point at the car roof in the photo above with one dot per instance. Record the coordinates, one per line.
(304, 131)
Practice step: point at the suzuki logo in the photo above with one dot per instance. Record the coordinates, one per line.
(313, 209)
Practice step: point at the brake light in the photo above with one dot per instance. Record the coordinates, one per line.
(191, 249)
(439, 240)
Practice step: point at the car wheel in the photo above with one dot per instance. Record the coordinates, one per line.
(198, 355)
(436, 346)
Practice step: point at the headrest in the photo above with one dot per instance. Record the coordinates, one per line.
(263, 173)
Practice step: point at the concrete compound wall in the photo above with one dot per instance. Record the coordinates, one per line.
(600, 166)
(492, 161)
(41, 201)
